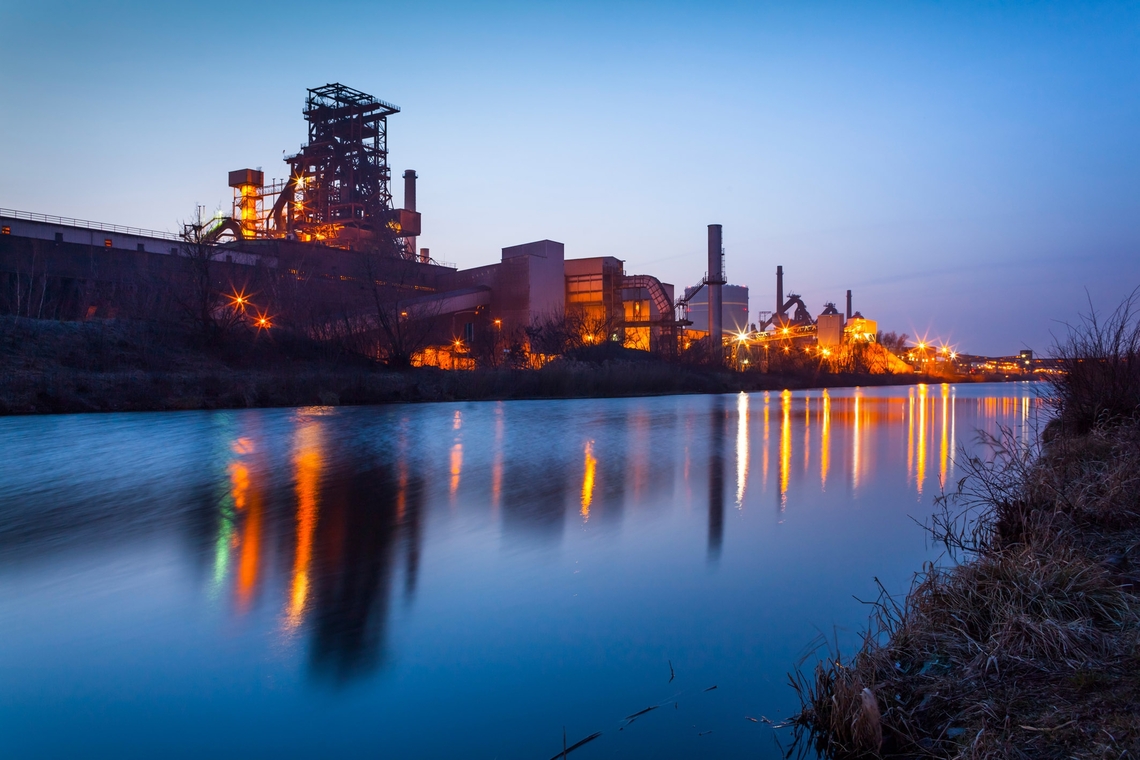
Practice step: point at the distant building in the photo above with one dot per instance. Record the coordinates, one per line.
(734, 308)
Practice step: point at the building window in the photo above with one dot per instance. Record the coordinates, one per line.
(141, 248)
(106, 242)
(173, 251)
(5, 230)
(59, 237)
(469, 332)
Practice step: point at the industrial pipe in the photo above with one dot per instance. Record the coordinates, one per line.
(715, 283)
(779, 292)
(410, 189)
(849, 304)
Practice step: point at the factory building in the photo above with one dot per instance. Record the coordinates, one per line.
(734, 308)
(328, 240)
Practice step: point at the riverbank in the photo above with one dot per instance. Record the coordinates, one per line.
(1031, 646)
(67, 367)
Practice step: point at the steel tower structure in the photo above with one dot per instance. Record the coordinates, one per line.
(340, 182)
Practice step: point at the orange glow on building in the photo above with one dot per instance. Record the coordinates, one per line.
(588, 480)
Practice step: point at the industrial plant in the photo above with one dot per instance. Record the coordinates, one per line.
(326, 252)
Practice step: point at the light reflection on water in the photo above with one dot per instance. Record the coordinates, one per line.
(437, 579)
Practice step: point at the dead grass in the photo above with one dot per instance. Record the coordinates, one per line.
(1027, 649)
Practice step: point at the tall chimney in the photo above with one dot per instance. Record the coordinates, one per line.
(410, 189)
(779, 291)
(849, 304)
(410, 205)
(715, 283)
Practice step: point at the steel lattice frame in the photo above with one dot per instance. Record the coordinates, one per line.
(341, 178)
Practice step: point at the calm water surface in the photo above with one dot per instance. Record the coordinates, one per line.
(455, 580)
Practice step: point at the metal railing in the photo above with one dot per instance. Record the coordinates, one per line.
(86, 224)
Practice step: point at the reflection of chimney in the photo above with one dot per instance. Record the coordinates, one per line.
(716, 478)
(779, 291)
(410, 189)
(716, 297)
(849, 304)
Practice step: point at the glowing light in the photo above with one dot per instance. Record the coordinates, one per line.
(784, 331)
(263, 321)
(741, 337)
(238, 300)
(588, 480)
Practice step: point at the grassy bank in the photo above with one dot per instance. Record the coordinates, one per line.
(1030, 647)
(60, 367)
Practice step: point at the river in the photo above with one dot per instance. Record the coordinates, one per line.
(457, 580)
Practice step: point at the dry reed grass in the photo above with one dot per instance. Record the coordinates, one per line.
(1031, 646)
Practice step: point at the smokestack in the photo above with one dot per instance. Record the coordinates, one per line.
(425, 256)
(410, 189)
(849, 304)
(779, 291)
(715, 282)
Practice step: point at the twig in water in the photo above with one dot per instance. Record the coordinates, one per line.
(567, 750)
(640, 712)
(672, 675)
(710, 688)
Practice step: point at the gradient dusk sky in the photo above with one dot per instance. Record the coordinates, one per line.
(968, 169)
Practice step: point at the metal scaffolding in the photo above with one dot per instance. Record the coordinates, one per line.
(339, 186)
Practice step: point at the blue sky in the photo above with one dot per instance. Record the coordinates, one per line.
(970, 170)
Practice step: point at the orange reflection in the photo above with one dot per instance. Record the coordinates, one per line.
(307, 467)
(246, 499)
(825, 441)
(741, 448)
(588, 480)
(910, 435)
(764, 466)
(497, 464)
(944, 449)
(920, 475)
(807, 432)
(855, 443)
(785, 446)
(456, 466)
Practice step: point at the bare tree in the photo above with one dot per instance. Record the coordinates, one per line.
(404, 323)
(211, 310)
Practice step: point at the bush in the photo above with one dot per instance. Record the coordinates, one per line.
(1099, 362)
